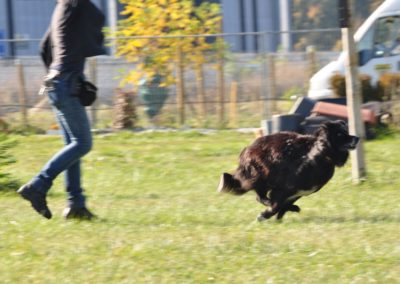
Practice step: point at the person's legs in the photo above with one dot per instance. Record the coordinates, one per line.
(72, 175)
(76, 130)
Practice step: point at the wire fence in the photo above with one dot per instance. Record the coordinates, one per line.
(249, 86)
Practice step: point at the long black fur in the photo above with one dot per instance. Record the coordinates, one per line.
(285, 166)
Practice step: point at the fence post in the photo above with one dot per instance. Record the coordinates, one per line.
(353, 98)
(200, 91)
(180, 90)
(22, 92)
(220, 84)
(93, 78)
(233, 104)
(271, 101)
(312, 63)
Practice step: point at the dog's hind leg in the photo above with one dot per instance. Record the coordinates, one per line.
(289, 206)
(279, 205)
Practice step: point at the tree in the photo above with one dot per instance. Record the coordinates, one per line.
(146, 19)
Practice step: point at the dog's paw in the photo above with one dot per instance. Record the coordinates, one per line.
(261, 218)
(264, 216)
(294, 208)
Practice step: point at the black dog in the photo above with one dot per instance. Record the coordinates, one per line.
(285, 166)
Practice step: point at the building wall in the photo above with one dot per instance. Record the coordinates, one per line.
(3, 28)
(31, 18)
(240, 16)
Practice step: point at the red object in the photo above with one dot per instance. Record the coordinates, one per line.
(340, 111)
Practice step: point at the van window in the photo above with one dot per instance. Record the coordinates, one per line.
(366, 42)
(387, 36)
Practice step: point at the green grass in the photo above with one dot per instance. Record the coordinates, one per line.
(161, 220)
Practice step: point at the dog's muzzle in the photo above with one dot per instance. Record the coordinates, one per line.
(353, 142)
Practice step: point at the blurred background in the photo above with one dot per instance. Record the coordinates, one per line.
(270, 51)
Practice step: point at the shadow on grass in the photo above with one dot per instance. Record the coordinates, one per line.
(379, 218)
(9, 185)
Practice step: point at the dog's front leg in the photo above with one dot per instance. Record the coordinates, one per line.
(275, 208)
(262, 197)
(289, 206)
(263, 200)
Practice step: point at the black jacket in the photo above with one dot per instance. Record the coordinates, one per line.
(75, 33)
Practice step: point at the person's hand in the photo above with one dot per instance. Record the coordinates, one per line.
(48, 81)
(51, 75)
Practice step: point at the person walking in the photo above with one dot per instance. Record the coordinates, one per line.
(75, 33)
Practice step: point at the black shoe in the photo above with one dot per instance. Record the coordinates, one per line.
(36, 198)
(78, 213)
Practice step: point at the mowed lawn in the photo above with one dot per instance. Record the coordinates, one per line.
(162, 221)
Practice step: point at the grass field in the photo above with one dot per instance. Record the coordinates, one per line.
(161, 220)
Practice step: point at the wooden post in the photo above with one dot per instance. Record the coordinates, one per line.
(221, 84)
(233, 104)
(93, 79)
(353, 93)
(22, 93)
(180, 88)
(271, 100)
(201, 95)
(312, 62)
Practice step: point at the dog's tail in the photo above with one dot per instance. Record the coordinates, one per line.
(229, 184)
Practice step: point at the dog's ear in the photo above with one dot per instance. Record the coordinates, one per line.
(326, 124)
(323, 128)
(342, 122)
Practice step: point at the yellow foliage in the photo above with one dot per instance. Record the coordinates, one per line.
(147, 18)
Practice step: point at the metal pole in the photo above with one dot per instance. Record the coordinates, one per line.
(113, 21)
(285, 16)
(10, 26)
(353, 94)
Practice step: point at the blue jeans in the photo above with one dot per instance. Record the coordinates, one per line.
(75, 127)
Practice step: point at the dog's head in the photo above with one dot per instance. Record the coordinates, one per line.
(338, 136)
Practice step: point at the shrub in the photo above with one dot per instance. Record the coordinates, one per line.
(125, 110)
(369, 92)
(338, 85)
(6, 181)
(389, 86)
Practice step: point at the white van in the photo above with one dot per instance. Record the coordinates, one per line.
(378, 44)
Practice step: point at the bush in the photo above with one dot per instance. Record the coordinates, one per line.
(338, 85)
(389, 86)
(6, 181)
(387, 90)
(369, 92)
(125, 111)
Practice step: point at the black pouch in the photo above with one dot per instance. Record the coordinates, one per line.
(87, 93)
